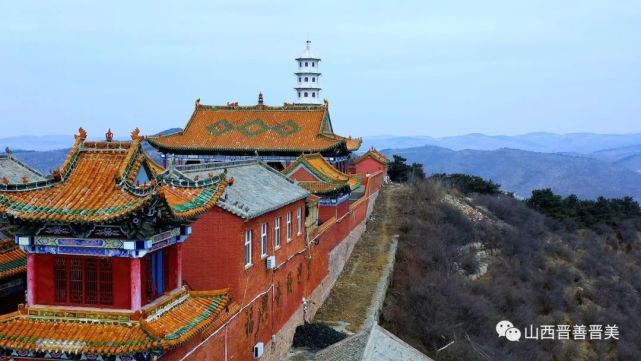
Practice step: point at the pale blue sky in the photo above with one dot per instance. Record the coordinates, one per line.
(407, 67)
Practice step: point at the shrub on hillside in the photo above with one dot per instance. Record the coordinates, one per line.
(584, 213)
(401, 172)
(538, 273)
(468, 184)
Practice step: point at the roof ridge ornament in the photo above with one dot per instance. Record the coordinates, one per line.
(82, 134)
(109, 136)
(135, 135)
(56, 174)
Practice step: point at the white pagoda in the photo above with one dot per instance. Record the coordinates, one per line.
(308, 90)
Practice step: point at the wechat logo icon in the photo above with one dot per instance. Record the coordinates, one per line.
(506, 329)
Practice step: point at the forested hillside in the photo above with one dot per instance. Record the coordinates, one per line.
(467, 261)
(522, 171)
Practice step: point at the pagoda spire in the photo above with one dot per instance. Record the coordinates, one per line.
(308, 90)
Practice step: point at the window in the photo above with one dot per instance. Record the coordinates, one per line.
(313, 79)
(299, 221)
(299, 79)
(305, 94)
(306, 64)
(248, 248)
(300, 63)
(313, 94)
(289, 226)
(306, 79)
(313, 63)
(263, 239)
(299, 94)
(83, 281)
(277, 233)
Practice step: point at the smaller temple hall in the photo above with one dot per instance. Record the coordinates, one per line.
(103, 240)
(211, 243)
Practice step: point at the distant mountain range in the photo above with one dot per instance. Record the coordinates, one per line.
(621, 150)
(522, 171)
(39, 143)
(586, 164)
(44, 161)
(584, 143)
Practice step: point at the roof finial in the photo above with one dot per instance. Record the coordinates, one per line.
(260, 98)
(109, 135)
(82, 134)
(135, 135)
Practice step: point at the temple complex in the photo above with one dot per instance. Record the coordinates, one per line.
(275, 134)
(216, 254)
(104, 258)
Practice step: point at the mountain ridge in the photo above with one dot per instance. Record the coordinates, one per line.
(565, 174)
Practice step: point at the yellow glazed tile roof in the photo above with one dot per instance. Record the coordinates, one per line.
(97, 183)
(290, 128)
(328, 177)
(373, 153)
(12, 260)
(159, 327)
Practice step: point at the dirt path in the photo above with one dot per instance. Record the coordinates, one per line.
(358, 287)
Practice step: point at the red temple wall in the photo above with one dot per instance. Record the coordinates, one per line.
(303, 175)
(214, 253)
(325, 213)
(342, 209)
(272, 301)
(369, 165)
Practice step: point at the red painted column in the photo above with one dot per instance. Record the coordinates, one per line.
(178, 271)
(31, 279)
(134, 278)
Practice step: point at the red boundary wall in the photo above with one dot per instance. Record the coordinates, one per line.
(307, 269)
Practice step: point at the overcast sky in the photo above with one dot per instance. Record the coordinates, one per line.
(405, 67)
